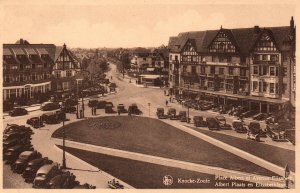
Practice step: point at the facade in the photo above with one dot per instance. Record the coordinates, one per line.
(32, 69)
(247, 66)
(141, 61)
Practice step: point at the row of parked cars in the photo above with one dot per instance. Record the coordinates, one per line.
(171, 114)
(34, 168)
(108, 107)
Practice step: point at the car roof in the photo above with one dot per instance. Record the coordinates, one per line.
(46, 168)
(26, 153)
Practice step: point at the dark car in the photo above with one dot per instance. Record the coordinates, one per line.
(109, 108)
(239, 127)
(93, 103)
(101, 104)
(70, 102)
(33, 166)
(18, 112)
(35, 122)
(182, 116)
(222, 123)
(13, 152)
(18, 128)
(172, 114)
(70, 109)
(9, 143)
(206, 106)
(45, 174)
(50, 106)
(53, 117)
(212, 123)
(23, 159)
(254, 128)
(113, 184)
(160, 113)
(84, 186)
(65, 180)
(133, 109)
(276, 132)
(199, 122)
(121, 108)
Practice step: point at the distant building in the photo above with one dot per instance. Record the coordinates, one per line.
(253, 67)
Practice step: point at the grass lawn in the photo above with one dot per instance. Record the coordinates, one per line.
(143, 175)
(154, 137)
(276, 155)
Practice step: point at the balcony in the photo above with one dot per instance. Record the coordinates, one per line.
(222, 64)
(265, 62)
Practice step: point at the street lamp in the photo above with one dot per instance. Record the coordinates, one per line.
(77, 113)
(188, 106)
(63, 116)
(149, 108)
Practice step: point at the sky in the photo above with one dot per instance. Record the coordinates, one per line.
(94, 24)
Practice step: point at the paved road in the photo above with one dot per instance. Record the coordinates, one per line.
(12, 180)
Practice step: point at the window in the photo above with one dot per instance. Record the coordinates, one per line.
(284, 88)
(265, 85)
(194, 69)
(272, 88)
(265, 57)
(273, 58)
(202, 69)
(57, 74)
(265, 70)
(176, 58)
(212, 70)
(272, 71)
(170, 57)
(255, 85)
(194, 59)
(255, 69)
(230, 70)
(33, 76)
(184, 58)
(68, 73)
(65, 85)
(284, 69)
(242, 72)
(221, 71)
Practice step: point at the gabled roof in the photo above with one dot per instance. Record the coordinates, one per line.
(245, 38)
(58, 51)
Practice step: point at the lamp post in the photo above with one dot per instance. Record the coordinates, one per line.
(149, 108)
(82, 105)
(77, 112)
(63, 116)
(188, 106)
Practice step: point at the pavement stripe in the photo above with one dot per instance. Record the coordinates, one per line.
(173, 163)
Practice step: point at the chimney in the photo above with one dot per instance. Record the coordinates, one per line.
(256, 29)
(292, 27)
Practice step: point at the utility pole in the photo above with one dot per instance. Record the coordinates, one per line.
(77, 114)
(188, 105)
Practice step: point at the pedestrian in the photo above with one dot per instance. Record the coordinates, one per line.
(166, 102)
(170, 99)
(95, 110)
(92, 110)
(119, 112)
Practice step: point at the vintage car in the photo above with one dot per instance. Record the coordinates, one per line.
(109, 108)
(276, 132)
(70, 109)
(21, 163)
(50, 106)
(19, 128)
(222, 122)
(212, 123)
(101, 104)
(84, 186)
(199, 122)
(206, 106)
(160, 112)
(18, 112)
(93, 103)
(133, 109)
(121, 108)
(70, 102)
(172, 114)
(260, 116)
(182, 116)
(255, 126)
(249, 113)
(12, 153)
(35, 122)
(113, 184)
(239, 127)
(33, 166)
(45, 174)
(65, 180)
(253, 136)
(20, 135)
(9, 143)
(53, 117)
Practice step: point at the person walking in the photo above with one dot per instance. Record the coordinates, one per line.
(95, 110)
(166, 102)
(92, 108)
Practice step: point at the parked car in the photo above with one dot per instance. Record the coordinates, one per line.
(70, 102)
(44, 175)
(9, 143)
(160, 112)
(172, 114)
(275, 132)
(254, 128)
(113, 184)
(20, 135)
(239, 127)
(199, 122)
(206, 106)
(222, 122)
(18, 112)
(182, 116)
(65, 180)
(253, 136)
(121, 108)
(101, 104)
(84, 186)
(49, 106)
(35, 122)
(133, 109)
(18, 128)
(93, 103)
(53, 117)
(212, 123)
(109, 108)
(291, 135)
(33, 166)
(21, 163)
(13, 152)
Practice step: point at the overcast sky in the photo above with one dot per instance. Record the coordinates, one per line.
(127, 25)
